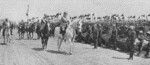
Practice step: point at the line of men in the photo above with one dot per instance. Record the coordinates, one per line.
(96, 32)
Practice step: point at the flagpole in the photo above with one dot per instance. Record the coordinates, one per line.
(27, 14)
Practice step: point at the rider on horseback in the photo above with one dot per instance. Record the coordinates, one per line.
(64, 23)
(6, 23)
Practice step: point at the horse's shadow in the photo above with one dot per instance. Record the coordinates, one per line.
(37, 49)
(3, 44)
(119, 58)
(58, 52)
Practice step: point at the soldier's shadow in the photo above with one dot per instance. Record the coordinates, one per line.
(119, 58)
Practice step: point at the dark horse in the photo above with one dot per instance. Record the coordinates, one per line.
(30, 29)
(21, 31)
(44, 33)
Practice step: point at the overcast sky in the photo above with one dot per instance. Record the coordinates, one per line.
(16, 9)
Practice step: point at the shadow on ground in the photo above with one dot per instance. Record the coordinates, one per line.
(3, 44)
(37, 49)
(119, 58)
(58, 52)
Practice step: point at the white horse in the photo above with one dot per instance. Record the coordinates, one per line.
(69, 35)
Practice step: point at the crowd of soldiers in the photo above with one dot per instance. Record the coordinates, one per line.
(111, 31)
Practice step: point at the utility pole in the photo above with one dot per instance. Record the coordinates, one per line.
(27, 14)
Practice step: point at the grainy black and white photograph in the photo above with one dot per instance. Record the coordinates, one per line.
(74, 32)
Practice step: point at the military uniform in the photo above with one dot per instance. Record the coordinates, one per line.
(141, 38)
(95, 35)
(131, 40)
(113, 37)
(100, 35)
(64, 24)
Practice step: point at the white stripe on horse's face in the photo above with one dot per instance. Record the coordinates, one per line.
(48, 24)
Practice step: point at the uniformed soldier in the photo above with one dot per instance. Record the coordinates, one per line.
(114, 36)
(100, 34)
(131, 40)
(64, 23)
(141, 38)
(95, 35)
(148, 46)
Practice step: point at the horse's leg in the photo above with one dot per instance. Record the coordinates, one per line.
(46, 41)
(27, 35)
(23, 35)
(32, 34)
(71, 46)
(42, 40)
(19, 35)
(38, 37)
(9, 38)
(58, 42)
(4, 39)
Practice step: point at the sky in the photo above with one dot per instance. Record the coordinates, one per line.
(16, 9)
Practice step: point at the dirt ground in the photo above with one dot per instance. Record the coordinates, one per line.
(29, 52)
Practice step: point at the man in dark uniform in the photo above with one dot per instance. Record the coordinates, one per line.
(64, 23)
(100, 34)
(131, 40)
(114, 36)
(95, 35)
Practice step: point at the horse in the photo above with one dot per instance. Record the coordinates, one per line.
(30, 30)
(21, 31)
(44, 34)
(69, 35)
(6, 33)
(38, 30)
